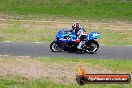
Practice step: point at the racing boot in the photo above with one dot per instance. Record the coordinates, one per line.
(79, 48)
(80, 51)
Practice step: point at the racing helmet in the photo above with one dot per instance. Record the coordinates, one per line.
(76, 26)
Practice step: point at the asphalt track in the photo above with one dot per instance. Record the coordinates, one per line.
(43, 50)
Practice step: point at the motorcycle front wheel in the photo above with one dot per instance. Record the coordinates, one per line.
(54, 47)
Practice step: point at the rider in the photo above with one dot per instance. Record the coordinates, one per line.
(78, 31)
(75, 28)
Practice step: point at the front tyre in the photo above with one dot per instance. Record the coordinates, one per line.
(54, 47)
(91, 46)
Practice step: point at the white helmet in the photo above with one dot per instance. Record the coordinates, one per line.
(76, 26)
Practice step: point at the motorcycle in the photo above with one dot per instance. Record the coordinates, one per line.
(67, 41)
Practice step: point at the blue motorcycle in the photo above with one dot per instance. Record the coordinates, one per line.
(67, 41)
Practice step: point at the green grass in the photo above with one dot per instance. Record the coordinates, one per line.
(78, 9)
(25, 35)
(111, 37)
(12, 81)
(114, 65)
(19, 82)
(70, 10)
(35, 31)
(18, 32)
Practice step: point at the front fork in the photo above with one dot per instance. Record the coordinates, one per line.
(58, 43)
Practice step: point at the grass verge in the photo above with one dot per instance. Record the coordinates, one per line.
(44, 31)
(10, 82)
(27, 72)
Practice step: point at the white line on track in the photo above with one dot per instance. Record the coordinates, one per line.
(37, 42)
(7, 41)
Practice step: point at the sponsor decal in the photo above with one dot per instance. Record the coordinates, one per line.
(83, 78)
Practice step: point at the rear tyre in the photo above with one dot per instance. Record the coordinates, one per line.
(91, 47)
(54, 47)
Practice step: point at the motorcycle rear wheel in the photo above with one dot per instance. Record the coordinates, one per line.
(91, 47)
